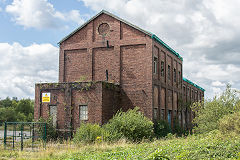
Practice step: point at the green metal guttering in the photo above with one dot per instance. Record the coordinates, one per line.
(166, 46)
(188, 81)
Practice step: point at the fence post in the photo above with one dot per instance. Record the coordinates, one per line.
(14, 132)
(5, 135)
(33, 135)
(21, 136)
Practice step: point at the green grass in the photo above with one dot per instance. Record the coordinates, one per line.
(209, 146)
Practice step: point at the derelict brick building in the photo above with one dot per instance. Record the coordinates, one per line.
(108, 64)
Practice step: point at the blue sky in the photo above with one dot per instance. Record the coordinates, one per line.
(11, 32)
(206, 33)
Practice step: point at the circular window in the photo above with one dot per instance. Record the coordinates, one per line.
(103, 29)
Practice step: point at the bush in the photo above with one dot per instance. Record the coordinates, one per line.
(210, 112)
(132, 125)
(161, 128)
(230, 123)
(88, 133)
(177, 129)
(50, 130)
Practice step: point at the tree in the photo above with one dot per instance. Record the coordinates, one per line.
(25, 106)
(209, 113)
(6, 103)
(15, 110)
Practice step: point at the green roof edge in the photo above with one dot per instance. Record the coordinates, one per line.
(195, 85)
(166, 46)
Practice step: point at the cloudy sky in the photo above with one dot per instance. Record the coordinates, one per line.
(206, 33)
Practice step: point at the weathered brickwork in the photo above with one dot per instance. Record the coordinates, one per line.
(100, 97)
(138, 70)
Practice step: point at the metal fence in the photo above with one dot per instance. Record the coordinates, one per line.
(28, 135)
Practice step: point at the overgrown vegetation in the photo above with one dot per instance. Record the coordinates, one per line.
(213, 145)
(51, 133)
(12, 110)
(230, 123)
(216, 136)
(131, 125)
(161, 128)
(88, 133)
(209, 113)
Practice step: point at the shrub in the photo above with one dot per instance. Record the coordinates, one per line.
(88, 133)
(230, 123)
(50, 130)
(161, 128)
(177, 129)
(132, 125)
(210, 112)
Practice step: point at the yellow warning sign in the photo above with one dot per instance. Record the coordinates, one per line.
(45, 97)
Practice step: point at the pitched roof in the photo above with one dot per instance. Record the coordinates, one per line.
(153, 36)
(195, 85)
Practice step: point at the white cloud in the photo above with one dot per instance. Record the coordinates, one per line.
(40, 14)
(206, 33)
(218, 84)
(21, 67)
(196, 29)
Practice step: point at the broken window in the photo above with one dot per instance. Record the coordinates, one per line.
(162, 68)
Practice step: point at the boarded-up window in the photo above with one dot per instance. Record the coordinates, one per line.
(163, 95)
(170, 99)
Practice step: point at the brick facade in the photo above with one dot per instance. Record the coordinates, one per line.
(127, 66)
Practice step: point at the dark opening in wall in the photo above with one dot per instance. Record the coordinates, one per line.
(106, 75)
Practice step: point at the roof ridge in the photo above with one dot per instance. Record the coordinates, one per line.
(110, 14)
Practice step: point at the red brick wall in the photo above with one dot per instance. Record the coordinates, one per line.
(110, 101)
(128, 60)
(77, 65)
(93, 99)
(101, 98)
(105, 59)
